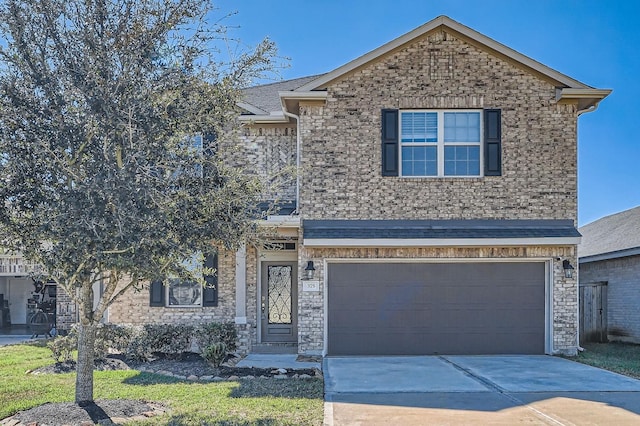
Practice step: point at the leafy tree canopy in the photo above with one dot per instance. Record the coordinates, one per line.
(110, 115)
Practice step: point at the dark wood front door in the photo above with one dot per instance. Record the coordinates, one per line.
(279, 302)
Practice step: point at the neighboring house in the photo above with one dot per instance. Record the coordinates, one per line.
(435, 205)
(610, 277)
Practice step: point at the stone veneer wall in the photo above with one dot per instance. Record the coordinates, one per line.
(133, 307)
(341, 147)
(623, 294)
(565, 297)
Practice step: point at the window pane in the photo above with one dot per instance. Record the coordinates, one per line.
(184, 293)
(462, 127)
(419, 161)
(419, 126)
(462, 160)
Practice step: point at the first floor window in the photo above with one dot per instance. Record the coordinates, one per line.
(177, 292)
(184, 293)
(440, 143)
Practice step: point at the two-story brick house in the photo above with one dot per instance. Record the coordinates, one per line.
(435, 204)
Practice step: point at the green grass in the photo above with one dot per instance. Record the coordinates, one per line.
(623, 358)
(246, 402)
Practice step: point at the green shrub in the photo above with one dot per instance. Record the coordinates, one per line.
(111, 336)
(169, 339)
(217, 332)
(62, 347)
(215, 353)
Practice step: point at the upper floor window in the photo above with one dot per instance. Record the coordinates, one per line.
(440, 143)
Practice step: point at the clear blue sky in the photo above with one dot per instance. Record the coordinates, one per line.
(595, 42)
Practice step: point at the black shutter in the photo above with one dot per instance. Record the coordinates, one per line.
(492, 143)
(390, 142)
(209, 144)
(156, 294)
(210, 293)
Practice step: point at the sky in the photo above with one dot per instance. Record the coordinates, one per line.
(595, 42)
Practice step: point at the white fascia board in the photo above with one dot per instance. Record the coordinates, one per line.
(455, 26)
(439, 242)
(251, 108)
(573, 93)
(281, 221)
(264, 119)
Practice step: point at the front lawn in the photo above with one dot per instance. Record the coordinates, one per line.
(623, 358)
(247, 402)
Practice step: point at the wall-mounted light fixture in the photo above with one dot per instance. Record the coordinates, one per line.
(568, 269)
(309, 271)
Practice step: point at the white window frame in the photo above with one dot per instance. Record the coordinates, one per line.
(440, 144)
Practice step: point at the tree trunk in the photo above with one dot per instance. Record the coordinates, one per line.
(84, 368)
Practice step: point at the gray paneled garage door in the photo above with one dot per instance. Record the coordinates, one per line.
(436, 308)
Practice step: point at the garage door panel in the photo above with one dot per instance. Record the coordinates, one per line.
(427, 308)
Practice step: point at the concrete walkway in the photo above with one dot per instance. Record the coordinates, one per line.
(475, 390)
(13, 339)
(276, 361)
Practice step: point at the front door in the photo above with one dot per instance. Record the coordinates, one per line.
(279, 302)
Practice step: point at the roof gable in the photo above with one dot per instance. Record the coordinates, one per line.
(469, 35)
(274, 102)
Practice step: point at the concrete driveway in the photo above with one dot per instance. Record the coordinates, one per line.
(475, 390)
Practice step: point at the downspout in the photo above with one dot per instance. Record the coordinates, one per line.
(298, 143)
(578, 347)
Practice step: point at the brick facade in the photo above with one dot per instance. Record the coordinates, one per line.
(133, 306)
(341, 176)
(341, 155)
(623, 294)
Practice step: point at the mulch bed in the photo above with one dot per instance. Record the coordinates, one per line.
(187, 365)
(103, 412)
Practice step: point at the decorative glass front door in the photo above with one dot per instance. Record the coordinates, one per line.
(279, 302)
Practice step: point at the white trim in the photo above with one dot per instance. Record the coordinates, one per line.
(444, 21)
(281, 221)
(251, 108)
(302, 95)
(548, 262)
(278, 117)
(241, 285)
(438, 242)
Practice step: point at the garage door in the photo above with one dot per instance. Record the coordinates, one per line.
(436, 308)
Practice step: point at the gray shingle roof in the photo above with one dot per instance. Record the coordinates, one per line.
(406, 229)
(620, 231)
(265, 97)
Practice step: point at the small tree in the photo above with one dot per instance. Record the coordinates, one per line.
(110, 114)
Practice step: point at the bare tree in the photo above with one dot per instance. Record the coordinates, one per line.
(110, 114)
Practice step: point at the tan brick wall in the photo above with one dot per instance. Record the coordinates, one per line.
(66, 310)
(269, 151)
(133, 307)
(565, 308)
(341, 147)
